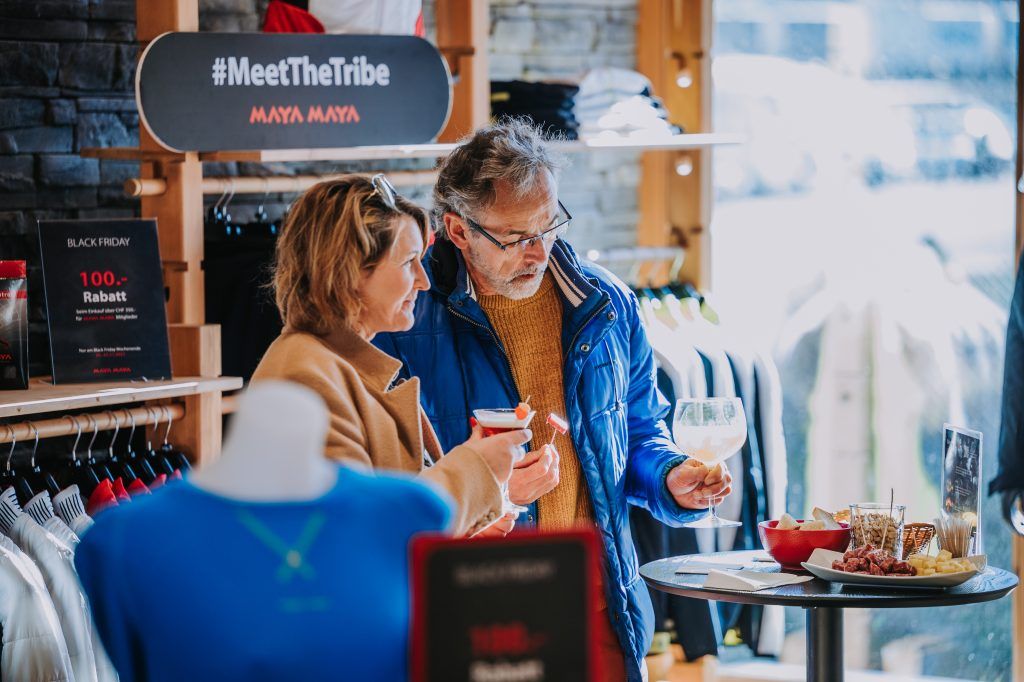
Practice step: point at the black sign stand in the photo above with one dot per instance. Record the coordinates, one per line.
(519, 607)
(238, 91)
(104, 300)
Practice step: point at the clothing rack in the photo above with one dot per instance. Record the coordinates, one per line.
(296, 184)
(629, 254)
(87, 423)
(649, 264)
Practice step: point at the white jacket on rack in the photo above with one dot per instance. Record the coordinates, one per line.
(33, 644)
(56, 562)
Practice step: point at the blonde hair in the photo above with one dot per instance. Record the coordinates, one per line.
(334, 232)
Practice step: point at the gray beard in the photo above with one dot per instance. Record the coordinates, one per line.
(503, 286)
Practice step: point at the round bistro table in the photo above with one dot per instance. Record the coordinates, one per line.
(822, 601)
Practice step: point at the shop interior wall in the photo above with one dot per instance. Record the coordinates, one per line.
(66, 82)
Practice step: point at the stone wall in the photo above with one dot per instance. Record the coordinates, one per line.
(66, 75)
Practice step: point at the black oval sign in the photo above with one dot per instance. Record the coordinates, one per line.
(238, 91)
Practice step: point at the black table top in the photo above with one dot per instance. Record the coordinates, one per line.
(991, 584)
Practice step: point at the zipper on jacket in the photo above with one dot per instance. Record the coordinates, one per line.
(497, 342)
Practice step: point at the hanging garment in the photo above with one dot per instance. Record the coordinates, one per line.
(55, 561)
(695, 623)
(287, 17)
(388, 17)
(33, 644)
(40, 508)
(71, 510)
(1011, 430)
(137, 487)
(236, 273)
(102, 497)
(120, 492)
(265, 591)
(770, 433)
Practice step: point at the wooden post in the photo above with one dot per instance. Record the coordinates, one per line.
(463, 37)
(195, 351)
(195, 347)
(675, 209)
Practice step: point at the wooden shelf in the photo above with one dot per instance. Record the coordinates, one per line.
(414, 151)
(42, 396)
(130, 154)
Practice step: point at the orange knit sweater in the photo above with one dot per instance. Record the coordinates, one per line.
(531, 332)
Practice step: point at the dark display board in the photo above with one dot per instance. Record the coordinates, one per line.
(104, 300)
(224, 91)
(520, 607)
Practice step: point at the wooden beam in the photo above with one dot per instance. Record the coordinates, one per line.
(675, 208)
(463, 37)
(179, 214)
(195, 349)
(155, 17)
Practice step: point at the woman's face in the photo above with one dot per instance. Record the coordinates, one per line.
(388, 292)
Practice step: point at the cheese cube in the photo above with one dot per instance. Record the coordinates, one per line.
(787, 522)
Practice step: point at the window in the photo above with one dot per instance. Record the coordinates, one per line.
(865, 232)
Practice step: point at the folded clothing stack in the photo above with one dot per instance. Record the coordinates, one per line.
(614, 103)
(549, 105)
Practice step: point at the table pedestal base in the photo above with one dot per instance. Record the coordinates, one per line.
(824, 644)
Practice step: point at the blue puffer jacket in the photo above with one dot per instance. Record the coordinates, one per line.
(614, 408)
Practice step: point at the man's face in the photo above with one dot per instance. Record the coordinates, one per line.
(516, 272)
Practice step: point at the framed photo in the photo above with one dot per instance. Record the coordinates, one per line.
(961, 475)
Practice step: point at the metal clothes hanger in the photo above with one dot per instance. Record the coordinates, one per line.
(99, 468)
(156, 458)
(176, 457)
(81, 474)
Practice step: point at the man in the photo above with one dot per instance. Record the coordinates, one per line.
(512, 313)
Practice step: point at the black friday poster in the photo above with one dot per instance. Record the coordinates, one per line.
(104, 289)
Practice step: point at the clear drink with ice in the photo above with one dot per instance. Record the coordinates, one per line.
(710, 430)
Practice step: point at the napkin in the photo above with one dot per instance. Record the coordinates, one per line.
(702, 567)
(751, 581)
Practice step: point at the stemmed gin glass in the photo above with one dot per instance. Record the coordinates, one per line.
(710, 430)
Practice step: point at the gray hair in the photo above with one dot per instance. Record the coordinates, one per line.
(511, 150)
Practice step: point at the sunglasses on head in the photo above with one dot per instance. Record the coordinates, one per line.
(383, 188)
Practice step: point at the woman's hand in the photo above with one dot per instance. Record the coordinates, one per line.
(501, 451)
(499, 528)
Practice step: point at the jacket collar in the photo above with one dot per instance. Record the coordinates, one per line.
(452, 280)
(377, 369)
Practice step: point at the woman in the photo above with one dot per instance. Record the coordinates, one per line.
(347, 268)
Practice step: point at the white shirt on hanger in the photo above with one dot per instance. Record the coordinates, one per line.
(56, 563)
(34, 649)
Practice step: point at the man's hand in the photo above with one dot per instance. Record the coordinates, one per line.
(694, 486)
(499, 528)
(535, 475)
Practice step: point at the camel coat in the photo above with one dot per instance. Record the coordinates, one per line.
(376, 423)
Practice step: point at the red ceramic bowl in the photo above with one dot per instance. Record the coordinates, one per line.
(793, 547)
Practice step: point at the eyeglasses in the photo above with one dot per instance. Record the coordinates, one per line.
(383, 188)
(561, 224)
